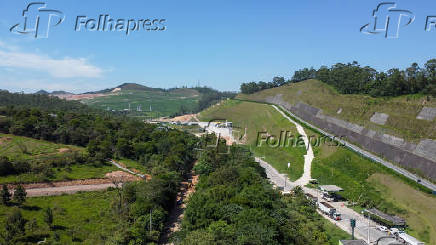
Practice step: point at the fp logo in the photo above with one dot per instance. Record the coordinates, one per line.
(38, 20)
(387, 19)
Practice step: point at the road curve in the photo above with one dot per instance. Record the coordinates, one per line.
(308, 158)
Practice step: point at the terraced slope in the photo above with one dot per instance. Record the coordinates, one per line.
(401, 130)
(359, 109)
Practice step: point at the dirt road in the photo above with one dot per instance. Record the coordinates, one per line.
(308, 158)
(56, 191)
(74, 186)
(175, 220)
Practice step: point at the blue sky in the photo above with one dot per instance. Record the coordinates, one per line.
(215, 43)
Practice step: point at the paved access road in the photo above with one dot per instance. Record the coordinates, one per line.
(371, 156)
(361, 230)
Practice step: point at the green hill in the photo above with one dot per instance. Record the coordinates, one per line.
(365, 183)
(359, 109)
(137, 100)
(146, 103)
(31, 160)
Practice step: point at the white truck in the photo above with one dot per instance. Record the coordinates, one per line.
(329, 210)
(410, 240)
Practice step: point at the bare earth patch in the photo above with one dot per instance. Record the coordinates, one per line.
(64, 150)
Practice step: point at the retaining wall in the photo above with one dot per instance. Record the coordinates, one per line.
(421, 157)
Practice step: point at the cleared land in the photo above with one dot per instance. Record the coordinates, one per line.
(162, 103)
(83, 218)
(18, 148)
(339, 166)
(359, 109)
(259, 121)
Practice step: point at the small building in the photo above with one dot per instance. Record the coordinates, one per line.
(352, 242)
(330, 192)
(330, 188)
(385, 219)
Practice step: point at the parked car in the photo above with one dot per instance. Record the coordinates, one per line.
(382, 228)
(394, 231)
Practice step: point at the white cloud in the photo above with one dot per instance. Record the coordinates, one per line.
(58, 68)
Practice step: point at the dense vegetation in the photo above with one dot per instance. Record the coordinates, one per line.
(352, 78)
(167, 154)
(253, 87)
(234, 204)
(41, 101)
(211, 96)
(208, 97)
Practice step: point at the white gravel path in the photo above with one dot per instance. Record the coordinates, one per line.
(308, 158)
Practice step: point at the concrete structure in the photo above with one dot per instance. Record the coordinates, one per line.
(379, 118)
(386, 219)
(421, 157)
(427, 113)
(352, 242)
(330, 188)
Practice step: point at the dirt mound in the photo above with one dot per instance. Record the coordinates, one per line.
(121, 176)
(64, 150)
(4, 139)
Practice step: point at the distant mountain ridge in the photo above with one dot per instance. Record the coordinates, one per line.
(126, 86)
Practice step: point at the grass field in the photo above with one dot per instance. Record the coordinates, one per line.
(359, 109)
(420, 207)
(162, 103)
(261, 120)
(131, 164)
(19, 148)
(83, 218)
(359, 177)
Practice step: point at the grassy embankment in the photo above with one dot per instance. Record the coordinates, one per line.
(261, 119)
(18, 148)
(359, 109)
(83, 218)
(340, 166)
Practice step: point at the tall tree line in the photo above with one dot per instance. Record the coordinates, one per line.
(352, 78)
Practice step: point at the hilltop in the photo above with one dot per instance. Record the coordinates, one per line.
(137, 100)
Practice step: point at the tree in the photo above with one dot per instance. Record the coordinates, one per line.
(6, 166)
(20, 194)
(14, 226)
(48, 216)
(6, 195)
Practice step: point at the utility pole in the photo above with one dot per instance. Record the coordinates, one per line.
(151, 211)
(368, 229)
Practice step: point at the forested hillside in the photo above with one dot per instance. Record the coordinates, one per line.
(351, 78)
(41, 101)
(166, 154)
(234, 204)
